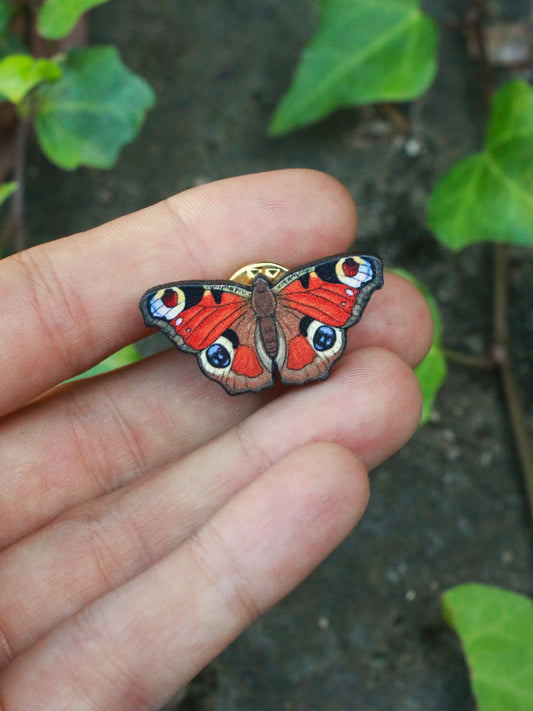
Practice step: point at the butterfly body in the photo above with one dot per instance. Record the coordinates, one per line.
(243, 335)
(264, 307)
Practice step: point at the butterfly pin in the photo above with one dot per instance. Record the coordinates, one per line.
(266, 320)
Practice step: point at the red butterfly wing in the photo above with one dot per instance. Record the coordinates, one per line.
(315, 305)
(215, 321)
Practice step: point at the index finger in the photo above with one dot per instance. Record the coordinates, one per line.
(70, 303)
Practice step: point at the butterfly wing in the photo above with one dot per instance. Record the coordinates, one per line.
(315, 306)
(215, 321)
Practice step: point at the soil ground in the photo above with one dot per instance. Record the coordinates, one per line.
(365, 630)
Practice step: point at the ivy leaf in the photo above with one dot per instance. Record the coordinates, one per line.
(58, 17)
(496, 629)
(364, 52)
(489, 196)
(98, 106)
(431, 372)
(126, 356)
(20, 73)
(6, 190)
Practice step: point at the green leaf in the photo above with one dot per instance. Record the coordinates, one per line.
(496, 630)
(58, 17)
(431, 372)
(20, 73)
(126, 356)
(489, 196)
(98, 106)
(364, 52)
(6, 190)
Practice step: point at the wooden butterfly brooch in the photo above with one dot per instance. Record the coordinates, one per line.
(266, 320)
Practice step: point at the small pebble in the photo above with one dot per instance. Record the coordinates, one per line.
(412, 147)
(507, 557)
(323, 623)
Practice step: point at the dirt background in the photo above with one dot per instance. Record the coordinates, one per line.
(365, 630)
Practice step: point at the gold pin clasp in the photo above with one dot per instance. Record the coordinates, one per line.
(246, 275)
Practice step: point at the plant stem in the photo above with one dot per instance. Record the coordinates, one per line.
(18, 203)
(519, 427)
(509, 381)
(18, 200)
(501, 300)
(468, 360)
(475, 19)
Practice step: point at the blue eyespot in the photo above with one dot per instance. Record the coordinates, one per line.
(324, 338)
(218, 356)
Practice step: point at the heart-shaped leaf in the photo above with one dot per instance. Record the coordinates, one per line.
(20, 73)
(489, 196)
(58, 17)
(384, 50)
(496, 629)
(98, 106)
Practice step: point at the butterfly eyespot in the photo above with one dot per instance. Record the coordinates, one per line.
(167, 303)
(218, 356)
(354, 272)
(324, 338)
(169, 298)
(350, 267)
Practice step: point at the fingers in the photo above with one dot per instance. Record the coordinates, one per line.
(134, 647)
(95, 436)
(91, 437)
(70, 303)
(397, 318)
(370, 405)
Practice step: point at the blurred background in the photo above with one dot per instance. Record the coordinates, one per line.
(365, 631)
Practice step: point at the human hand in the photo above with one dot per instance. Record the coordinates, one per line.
(146, 517)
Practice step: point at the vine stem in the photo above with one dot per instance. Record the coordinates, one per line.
(507, 373)
(18, 202)
(19, 174)
(500, 351)
(470, 361)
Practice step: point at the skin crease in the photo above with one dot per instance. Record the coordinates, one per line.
(146, 517)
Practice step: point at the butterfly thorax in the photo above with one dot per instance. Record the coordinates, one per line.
(264, 307)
